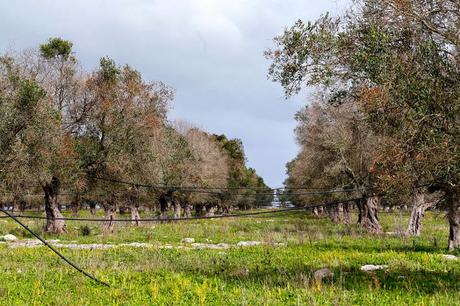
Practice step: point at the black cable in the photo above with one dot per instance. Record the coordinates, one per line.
(331, 203)
(160, 219)
(54, 250)
(200, 189)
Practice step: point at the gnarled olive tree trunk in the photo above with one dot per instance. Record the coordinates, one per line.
(53, 224)
(210, 210)
(110, 209)
(334, 213)
(315, 211)
(163, 206)
(320, 210)
(177, 209)
(18, 203)
(419, 205)
(346, 213)
(188, 210)
(135, 216)
(368, 218)
(92, 207)
(76, 203)
(421, 202)
(453, 215)
(200, 210)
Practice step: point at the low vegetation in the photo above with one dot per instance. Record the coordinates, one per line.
(269, 273)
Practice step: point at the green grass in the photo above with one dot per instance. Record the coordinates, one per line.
(261, 275)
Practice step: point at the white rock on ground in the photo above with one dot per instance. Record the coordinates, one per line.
(136, 244)
(188, 240)
(210, 246)
(31, 243)
(10, 237)
(450, 257)
(92, 246)
(248, 243)
(323, 273)
(369, 268)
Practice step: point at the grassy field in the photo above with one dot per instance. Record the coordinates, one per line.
(267, 274)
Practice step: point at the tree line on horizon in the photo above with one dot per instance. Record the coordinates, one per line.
(383, 119)
(63, 128)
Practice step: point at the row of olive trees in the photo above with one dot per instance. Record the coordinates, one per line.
(67, 131)
(387, 117)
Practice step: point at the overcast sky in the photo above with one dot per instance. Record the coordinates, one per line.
(209, 51)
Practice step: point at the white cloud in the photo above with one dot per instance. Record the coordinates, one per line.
(211, 51)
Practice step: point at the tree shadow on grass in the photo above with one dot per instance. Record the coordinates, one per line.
(419, 282)
(382, 246)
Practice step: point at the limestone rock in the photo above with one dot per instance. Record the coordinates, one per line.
(10, 237)
(450, 257)
(322, 273)
(370, 268)
(248, 243)
(188, 240)
(241, 272)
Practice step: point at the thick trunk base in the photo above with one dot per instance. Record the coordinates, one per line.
(163, 207)
(346, 213)
(188, 211)
(368, 217)
(110, 210)
(453, 216)
(53, 225)
(177, 210)
(210, 211)
(414, 227)
(107, 226)
(135, 217)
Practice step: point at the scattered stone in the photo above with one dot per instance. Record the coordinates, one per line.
(10, 238)
(181, 247)
(370, 268)
(219, 246)
(248, 243)
(93, 246)
(30, 243)
(137, 244)
(450, 257)
(322, 273)
(241, 272)
(188, 240)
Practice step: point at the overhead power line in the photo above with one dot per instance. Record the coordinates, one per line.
(204, 189)
(305, 207)
(68, 261)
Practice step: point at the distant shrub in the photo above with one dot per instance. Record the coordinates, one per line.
(85, 230)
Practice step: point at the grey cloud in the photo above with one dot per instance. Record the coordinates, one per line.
(210, 51)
